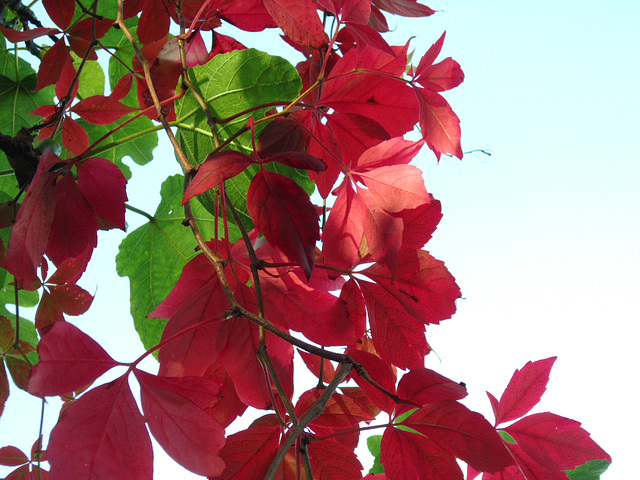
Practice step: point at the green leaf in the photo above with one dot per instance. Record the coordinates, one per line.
(232, 83)
(506, 437)
(373, 443)
(153, 255)
(91, 79)
(589, 471)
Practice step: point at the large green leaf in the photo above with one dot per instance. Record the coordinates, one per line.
(589, 471)
(152, 256)
(230, 84)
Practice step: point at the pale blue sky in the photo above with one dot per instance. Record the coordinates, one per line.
(542, 236)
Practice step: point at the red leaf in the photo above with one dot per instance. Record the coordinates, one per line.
(365, 35)
(332, 460)
(101, 110)
(14, 36)
(101, 435)
(281, 210)
(317, 364)
(216, 168)
(408, 456)
(185, 431)
(59, 299)
(527, 468)
(299, 20)
(300, 160)
(439, 124)
(381, 372)
(405, 8)
(4, 386)
(69, 360)
(30, 234)
(60, 11)
(20, 370)
(340, 411)
(52, 64)
(524, 390)
(12, 456)
(343, 232)
(395, 151)
(463, 433)
(555, 442)
(74, 227)
(66, 80)
(74, 137)
(104, 187)
(430, 56)
(397, 336)
(396, 187)
(249, 453)
(423, 386)
(281, 135)
(444, 75)
(423, 285)
(419, 224)
(154, 22)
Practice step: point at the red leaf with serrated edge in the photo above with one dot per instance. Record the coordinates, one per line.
(299, 160)
(105, 188)
(66, 81)
(20, 370)
(15, 36)
(365, 35)
(183, 429)
(299, 20)
(217, 168)
(12, 456)
(340, 411)
(101, 110)
(430, 56)
(396, 187)
(60, 11)
(395, 151)
(527, 468)
(81, 34)
(123, 87)
(317, 365)
(463, 433)
(101, 435)
(367, 94)
(154, 22)
(331, 460)
(343, 231)
(524, 390)
(30, 233)
(20, 473)
(555, 442)
(74, 137)
(52, 63)
(409, 456)
(382, 230)
(248, 454)
(397, 336)
(282, 211)
(229, 406)
(380, 371)
(495, 406)
(58, 299)
(69, 360)
(71, 269)
(291, 304)
(422, 284)
(419, 224)
(74, 227)
(423, 386)
(439, 124)
(281, 135)
(444, 75)
(405, 8)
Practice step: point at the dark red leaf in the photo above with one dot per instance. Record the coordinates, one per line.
(343, 231)
(59, 299)
(30, 234)
(555, 442)
(365, 35)
(299, 20)
(4, 386)
(281, 210)
(300, 160)
(183, 429)
(332, 460)
(101, 435)
(69, 360)
(281, 135)
(527, 468)
(409, 456)
(217, 168)
(52, 63)
(524, 390)
(12, 456)
(463, 433)
(15, 36)
(65, 83)
(249, 453)
(379, 371)
(101, 110)
(20, 371)
(154, 22)
(104, 187)
(74, 137)
(405, 8)
(419, 224)
(340, 411)
(60, 11)
(74, 227)
(318, 365)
